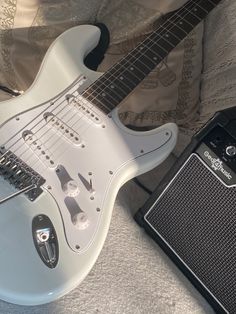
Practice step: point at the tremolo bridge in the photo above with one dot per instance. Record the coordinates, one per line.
(23, 178)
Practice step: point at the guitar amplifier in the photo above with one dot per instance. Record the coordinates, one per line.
(192, 213)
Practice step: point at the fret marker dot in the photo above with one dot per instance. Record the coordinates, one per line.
(154, 58)
(112, 86)
(195, 9)
(167, 35)
(141, 48)
(131, 68)
(181, 23)
(103, 94)
(121, 78)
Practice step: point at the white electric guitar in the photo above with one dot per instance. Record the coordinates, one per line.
(64, 155)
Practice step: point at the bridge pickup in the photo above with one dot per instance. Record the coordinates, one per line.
(61, 127)
(19, 174)
(33, 142)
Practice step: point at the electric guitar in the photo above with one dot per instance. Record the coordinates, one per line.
(64, 154)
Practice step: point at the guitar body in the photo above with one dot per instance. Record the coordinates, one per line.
(51, 240)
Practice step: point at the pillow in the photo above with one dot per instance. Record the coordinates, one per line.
(218, 84)
(27, 28)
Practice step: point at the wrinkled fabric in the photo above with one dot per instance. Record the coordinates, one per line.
(28, 27)
(132, 274)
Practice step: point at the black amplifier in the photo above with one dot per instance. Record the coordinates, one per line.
(192, 213)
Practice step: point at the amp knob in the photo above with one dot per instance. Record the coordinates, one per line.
(230, 150)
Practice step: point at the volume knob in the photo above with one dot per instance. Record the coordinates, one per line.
(81, 221)
(71, 188)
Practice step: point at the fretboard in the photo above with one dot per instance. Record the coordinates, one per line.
(118, 82)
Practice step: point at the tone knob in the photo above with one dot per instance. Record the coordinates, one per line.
(231, 150)
(81, 221)
(71, 188)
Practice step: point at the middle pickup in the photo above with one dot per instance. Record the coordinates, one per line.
(61, 127)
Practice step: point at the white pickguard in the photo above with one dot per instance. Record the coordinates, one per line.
(94, 150)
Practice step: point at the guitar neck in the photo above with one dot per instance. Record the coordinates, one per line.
(113, 86)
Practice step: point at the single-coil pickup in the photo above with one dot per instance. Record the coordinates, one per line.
(86, 109)
(59, 126)
(38, 148)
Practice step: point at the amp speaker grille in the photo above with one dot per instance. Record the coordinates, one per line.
(196, 217)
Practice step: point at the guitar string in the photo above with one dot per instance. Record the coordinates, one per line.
(172, 33)
(106, 85)
(95, 83)
(76, 121)
(155, 35)
(159, 36)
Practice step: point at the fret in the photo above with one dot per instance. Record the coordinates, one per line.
(129, 78)
(199, 12)
(116, 87)
(104, 102)
(100, 93)
(121, 77)
(214, 2)
(123, 84)
(100, 104)
(178, 28)
(135, 70)
(154, 55)
(206, 5)
(192, 18)
(138, 64)
(170, 37)
(146, 58)
(110, 92)
(184, 24)
(125, 65)
(161, 45)
(112, 87)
